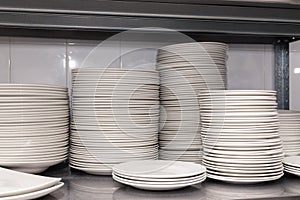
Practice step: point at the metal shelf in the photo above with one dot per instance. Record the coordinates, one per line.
(78, 18)
(79, 185)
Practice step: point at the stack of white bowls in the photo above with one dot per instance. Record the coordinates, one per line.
(289, 131)
(34, 126)
(186, 70)
(115, 118)
(240, 135)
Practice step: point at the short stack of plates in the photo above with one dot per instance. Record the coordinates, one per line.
(34, 126)
(186, 70)
(240, 135)
(289, 130)
(115, 118)
(292, 165)
(159, 174)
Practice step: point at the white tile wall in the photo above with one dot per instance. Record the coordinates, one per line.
(250, 66)
(4, 60)
(50, 61)
(295, 75)
(38, 61)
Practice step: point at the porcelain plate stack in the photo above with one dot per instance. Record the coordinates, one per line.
(34, 126)
(292, 165)
(115, 118)
(159, 174)
(186, 70)
(289, 130)
(240, 135)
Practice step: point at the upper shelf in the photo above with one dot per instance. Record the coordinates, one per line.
(220, 17)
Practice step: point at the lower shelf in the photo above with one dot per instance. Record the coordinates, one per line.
(82, 186)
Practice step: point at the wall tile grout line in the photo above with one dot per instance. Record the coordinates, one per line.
(9, 60)
(67, 62)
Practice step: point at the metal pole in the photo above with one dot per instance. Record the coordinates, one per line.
(282, 73)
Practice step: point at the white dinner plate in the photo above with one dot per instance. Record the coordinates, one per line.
(35, 194)
(159, 169)
(29, 182)
(157, 186)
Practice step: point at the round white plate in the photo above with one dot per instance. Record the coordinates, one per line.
(159, 169)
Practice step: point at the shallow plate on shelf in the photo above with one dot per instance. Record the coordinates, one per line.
(245, 180)
(155, 186)
(15, 183)
(293, 161)
(159, 169)
(35, 194)
(95, 171)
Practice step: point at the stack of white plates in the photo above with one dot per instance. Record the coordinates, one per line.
(115, 118)
(186, 70)
(240, 135)
(34, 125)
(289, 130)
(292, 165)
(22, 186)
(159, 174)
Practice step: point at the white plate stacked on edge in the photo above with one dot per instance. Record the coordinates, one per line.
(292, 165)
(289, 130)
(186, 70)
(240, 136)
(34, 126)
(115, 118)
(159, 174)
(21, 186)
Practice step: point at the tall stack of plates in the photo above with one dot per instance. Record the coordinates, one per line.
(240, 135)
(159, 174)
(292, 165)
(289, 130)
(34, 125)
(115, 118)
(186, 70)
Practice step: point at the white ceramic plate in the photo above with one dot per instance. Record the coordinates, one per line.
(159, 169)
(95, 171)
(35, 194)
(293, 161)
(245, 180)
(156, 186)
(16, 183)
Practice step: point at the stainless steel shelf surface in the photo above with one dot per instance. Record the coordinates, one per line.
(73, 18)
(82, 186)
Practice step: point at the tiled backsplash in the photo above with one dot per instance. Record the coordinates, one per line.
(295, 75)
(49, 61)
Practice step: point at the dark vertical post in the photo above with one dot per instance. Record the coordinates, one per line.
(282, 73)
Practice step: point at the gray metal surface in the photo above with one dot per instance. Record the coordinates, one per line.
(195, 17)
(81, 186)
